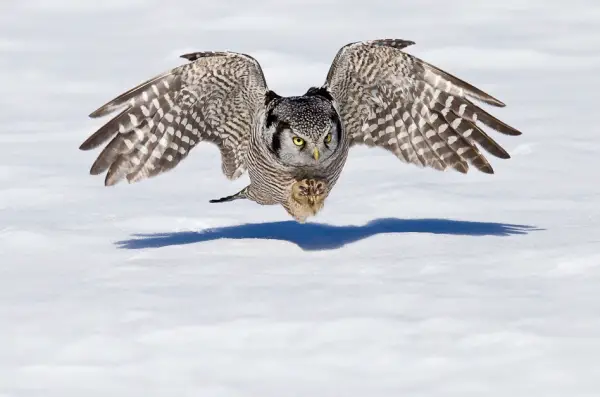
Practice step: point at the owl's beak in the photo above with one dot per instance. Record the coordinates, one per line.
(316, 154)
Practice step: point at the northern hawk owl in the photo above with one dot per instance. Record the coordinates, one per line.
(294, 148)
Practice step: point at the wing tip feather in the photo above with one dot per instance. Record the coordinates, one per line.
(86, 145)
(505, 155)
(490, 100)
(461, 167)
(513, 132)
(103, 110)
(110, 181)
(194, 56)
(398, 44)
(97, 168)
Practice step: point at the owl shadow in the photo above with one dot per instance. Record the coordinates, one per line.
(318, 236)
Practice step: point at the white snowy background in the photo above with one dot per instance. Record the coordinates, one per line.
(411, 282)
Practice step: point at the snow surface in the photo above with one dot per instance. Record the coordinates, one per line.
(411, 282)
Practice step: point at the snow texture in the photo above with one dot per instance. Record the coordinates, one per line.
(411, 282)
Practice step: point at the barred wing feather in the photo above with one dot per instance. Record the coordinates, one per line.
(424, 115)
(214, 98)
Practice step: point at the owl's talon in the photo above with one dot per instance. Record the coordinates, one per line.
(307, 198)
(308, 188)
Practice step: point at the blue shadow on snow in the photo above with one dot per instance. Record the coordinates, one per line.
(318, 236)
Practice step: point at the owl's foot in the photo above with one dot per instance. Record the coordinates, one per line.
(307, 198)
(309, 191)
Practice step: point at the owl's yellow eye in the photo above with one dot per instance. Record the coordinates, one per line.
(328, 138)
(298, 141)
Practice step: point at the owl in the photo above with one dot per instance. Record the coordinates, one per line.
(294, 148)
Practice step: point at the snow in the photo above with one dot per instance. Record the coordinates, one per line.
(410, 282)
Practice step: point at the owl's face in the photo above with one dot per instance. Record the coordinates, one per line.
(303, 131)
(301, 147)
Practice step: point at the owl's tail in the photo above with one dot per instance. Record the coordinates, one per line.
(242, 194)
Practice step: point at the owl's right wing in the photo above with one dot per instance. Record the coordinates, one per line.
(215, 97)
(424, 115)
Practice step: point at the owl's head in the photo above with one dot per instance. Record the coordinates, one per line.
(302, 131)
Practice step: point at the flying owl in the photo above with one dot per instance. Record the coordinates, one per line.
(294, 148)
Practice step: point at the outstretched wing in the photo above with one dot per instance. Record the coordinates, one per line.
(422, 114)
(213, 98)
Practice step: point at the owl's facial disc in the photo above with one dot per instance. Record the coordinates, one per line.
(305, 148)
(302, 133)
(294, 148)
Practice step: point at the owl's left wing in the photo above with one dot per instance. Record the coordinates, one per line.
(214, 98)
(424, 115)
